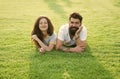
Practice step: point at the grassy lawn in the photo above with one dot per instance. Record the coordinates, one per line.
(20, 60)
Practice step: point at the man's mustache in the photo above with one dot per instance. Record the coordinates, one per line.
(72, 30)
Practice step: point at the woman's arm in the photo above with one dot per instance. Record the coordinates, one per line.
(43, 46)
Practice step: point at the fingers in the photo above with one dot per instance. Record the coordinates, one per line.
(79, 30)
(34, 37)
(42, 50)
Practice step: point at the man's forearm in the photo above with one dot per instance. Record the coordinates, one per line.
(65, 49)
(80, 43)
(75, 49)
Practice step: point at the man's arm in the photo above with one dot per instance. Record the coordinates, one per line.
(59, 46)
(80, 45)
(79, 48)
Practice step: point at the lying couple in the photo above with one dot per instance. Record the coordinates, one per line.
(71, 37)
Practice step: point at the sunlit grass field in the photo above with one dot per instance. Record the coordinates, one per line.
(20, 60)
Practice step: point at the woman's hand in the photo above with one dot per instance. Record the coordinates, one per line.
(35, 37)
(42, 50)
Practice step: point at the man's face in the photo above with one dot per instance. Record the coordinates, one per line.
(43, 24)
(74, 25)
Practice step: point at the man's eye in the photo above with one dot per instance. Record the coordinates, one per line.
(77, 22)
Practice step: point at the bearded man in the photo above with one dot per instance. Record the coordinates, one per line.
(72, 36)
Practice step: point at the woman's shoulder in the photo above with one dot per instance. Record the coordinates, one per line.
(54, 35)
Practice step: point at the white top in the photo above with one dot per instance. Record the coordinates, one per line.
(50, 39)
(63, 35)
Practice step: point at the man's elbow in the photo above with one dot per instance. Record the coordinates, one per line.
(59, 43)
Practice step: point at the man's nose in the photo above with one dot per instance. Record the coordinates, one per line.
(74, 24)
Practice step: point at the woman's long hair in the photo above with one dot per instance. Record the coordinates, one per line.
(38, 32)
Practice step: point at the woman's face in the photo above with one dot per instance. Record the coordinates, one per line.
(43, 24)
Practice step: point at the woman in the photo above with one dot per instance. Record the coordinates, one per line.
(43, 34)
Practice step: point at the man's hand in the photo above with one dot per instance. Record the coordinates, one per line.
(77, 32)
(77, 49)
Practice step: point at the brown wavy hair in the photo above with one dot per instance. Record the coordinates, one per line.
(38, 32)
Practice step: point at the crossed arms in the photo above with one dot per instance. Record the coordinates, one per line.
(42, 47)
(80, 45)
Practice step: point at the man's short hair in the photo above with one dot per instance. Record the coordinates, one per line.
(76, 16)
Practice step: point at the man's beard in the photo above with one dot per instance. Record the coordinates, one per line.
(72, 30)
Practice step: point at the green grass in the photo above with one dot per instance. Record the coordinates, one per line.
(20, 60)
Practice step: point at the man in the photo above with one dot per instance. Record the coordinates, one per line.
(72, 36)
